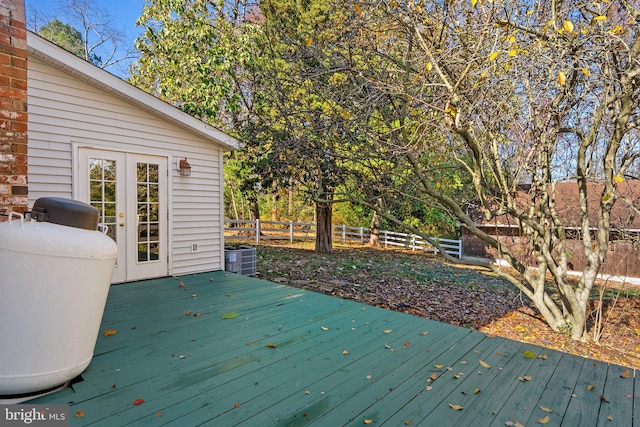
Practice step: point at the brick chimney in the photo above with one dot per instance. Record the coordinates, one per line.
(13, 107)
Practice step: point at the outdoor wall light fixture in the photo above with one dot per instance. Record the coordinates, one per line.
(184, 167)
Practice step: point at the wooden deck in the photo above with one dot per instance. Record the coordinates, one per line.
(293, 357)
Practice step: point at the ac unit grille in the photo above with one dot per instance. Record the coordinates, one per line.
(241, 260)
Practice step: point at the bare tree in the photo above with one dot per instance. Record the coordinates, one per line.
(98, 40)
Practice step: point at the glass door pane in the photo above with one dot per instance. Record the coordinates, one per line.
(102, 192)
(147, 207)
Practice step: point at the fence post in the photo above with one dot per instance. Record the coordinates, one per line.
(258, 231)
(362, 235)
(344, 233)
(385, 238)
(413, 242)
(460, 249)
(290, 231)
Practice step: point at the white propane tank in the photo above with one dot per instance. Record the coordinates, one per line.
(55, 273)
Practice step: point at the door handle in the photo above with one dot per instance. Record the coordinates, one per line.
(121, 224)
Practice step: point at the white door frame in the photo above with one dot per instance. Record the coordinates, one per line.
(132, 221)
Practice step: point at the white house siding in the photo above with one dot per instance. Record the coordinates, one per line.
(65, 112)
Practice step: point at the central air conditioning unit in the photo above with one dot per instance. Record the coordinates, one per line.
(240, 259)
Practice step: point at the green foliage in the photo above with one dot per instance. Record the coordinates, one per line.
(69, 38)
(191, 52)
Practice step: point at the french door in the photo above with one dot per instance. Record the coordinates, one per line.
(130, 191)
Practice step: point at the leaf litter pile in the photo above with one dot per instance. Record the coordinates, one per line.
(419, 284)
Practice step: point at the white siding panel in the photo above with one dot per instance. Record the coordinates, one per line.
(65, 111)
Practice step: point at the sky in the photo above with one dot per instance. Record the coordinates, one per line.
(124, 14)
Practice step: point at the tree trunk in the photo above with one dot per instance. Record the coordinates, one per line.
(290, 207)
(234, 204)
(254, 209)
(324, 227)
(374, 239)
(274, 208)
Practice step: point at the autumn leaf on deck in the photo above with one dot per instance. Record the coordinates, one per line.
(109, 332)
(271, 345)
(626, 373)
(485, 364)
(231, 315)
(406, 344)
(79, 414)
(345, 352)
(544, 420)
(427, 333)
(545, 409)
(368, 421)
(591, 387)
(388, 331)
(529, 355)
(324, 328)
(456, 407)
(181, 285)
(138, 402)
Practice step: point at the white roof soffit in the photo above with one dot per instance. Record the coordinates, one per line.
(50, 53)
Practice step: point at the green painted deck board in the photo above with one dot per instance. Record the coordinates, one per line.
(203, 370)
(584, 406)
(558, 391)
(475, 391)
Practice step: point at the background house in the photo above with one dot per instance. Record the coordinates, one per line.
(95, 138)
(623, 256)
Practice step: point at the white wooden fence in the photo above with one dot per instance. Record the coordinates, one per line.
(277, 230)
